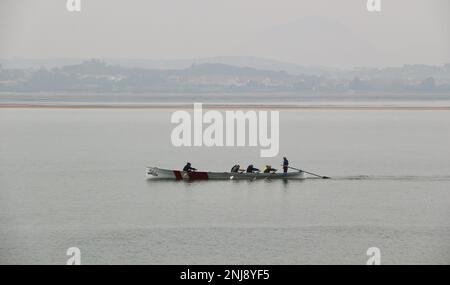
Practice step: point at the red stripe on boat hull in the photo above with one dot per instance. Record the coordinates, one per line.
(198, 175)
(177, 175)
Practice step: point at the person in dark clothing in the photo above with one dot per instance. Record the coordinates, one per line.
(251, 169)
(236, 169)
(189, 168)
(285, 165)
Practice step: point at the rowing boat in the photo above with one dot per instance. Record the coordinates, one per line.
(160, 173)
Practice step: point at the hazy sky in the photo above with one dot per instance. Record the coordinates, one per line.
(314, 32)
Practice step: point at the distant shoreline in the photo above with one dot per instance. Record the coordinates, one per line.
(225, 106)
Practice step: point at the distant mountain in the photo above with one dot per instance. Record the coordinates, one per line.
(315, 41)
(239, 61)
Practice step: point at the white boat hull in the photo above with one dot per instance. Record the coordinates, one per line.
(160, 173)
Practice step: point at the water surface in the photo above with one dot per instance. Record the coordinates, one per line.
(76, 177)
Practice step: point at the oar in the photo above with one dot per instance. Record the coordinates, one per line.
(323, 177)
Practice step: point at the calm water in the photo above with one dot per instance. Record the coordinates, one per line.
(77, 178)
(278, 98)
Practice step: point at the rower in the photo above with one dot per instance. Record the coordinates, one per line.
(269, 169)
(251, 169)
(285, 164)
(236, 169)
(189, 168)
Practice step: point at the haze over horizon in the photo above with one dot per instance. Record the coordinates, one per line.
(307, 33)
